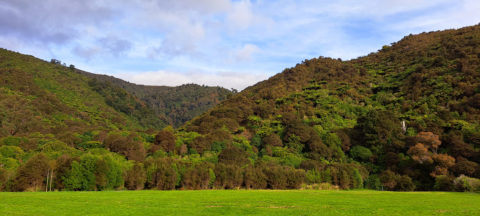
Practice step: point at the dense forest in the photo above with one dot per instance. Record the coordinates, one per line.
(404, 118)
(175, 105)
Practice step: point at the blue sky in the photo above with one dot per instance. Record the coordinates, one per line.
(233, 44)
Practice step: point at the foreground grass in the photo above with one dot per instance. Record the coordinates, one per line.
(240, 202)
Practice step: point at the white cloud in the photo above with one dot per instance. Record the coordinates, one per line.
(172, 36)
(456, 16)
(241, 15)
(237, 80)
(246, 52)
(203, 6)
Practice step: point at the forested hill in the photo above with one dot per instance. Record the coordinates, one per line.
(176, 105)
(406, 117)
(44, 97)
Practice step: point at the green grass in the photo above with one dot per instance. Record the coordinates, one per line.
(240, 202)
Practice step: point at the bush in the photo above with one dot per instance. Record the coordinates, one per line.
(233, 155)
(79, 178)
(394, 181)
(272, 140)
(31, 175)
(228, 176)
(161, 174)
(135, 177)
(464, 183)
(198, 177)
(373, 182)
(3, 178)
(280, 177)
(360, 152)
(404, 183)
(443, 183)
(254, 178)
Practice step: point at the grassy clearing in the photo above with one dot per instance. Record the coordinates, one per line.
(240, 202)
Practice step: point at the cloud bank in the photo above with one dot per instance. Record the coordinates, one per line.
(172, 42)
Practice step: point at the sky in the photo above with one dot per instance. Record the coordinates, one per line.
(228, 43)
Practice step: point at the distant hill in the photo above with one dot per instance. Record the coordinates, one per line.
(175, 105)
(39, 96)
(54, 96)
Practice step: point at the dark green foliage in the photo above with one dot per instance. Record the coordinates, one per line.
(32, 175)
(404, 183)
(200, 176)
(92, 172)
(135, 177)
(360, 153)
(161, 174)
(255, 178)
(443, 183)
(228, 176)
(63, 167)
(281, 177)
(393, 181)
(174, 105)
(381, 129)
(373, 182)
(3, 178)
(81, 176)
(123, 102)
(233, 155)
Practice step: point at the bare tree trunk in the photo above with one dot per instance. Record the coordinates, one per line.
(46, 185)
(51, 177)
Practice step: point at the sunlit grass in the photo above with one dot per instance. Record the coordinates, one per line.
(240, 202)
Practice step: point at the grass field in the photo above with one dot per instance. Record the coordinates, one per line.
(240, 202)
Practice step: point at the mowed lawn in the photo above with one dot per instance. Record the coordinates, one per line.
(240, 202)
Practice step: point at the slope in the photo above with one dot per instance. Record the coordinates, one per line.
(38, 96)
(174, 104)
(408, 115)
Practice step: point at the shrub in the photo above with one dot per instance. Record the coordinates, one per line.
(228, 176)
(404, 183)
(394, 181)
(161, 174)
(373, 182)
(254, 178)
(32, 174)
(198, 177)
(3, 178)
(273, 140)
(233, 155)
(135, 177)
(360, 152)
(282, 177)
(443, 183)
(464, 183)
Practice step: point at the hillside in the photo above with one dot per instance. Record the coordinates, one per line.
(407, 115)
(38, 96)
(176, 105)
(404, 118)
